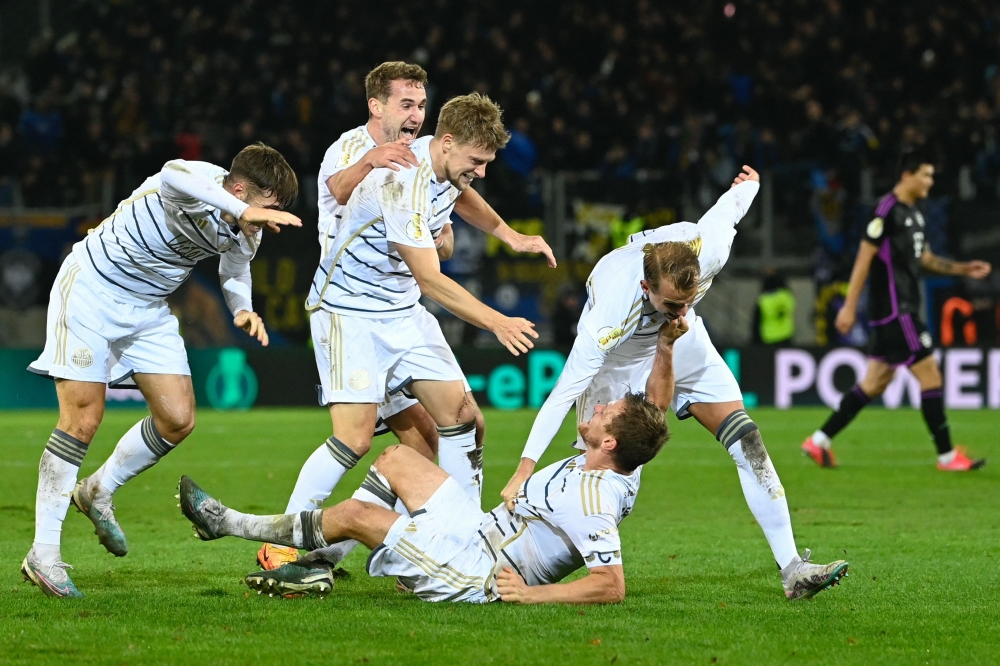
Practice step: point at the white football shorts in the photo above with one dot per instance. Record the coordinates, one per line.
(92, 337)
(362, 360)
(700, 374)
(438, 551)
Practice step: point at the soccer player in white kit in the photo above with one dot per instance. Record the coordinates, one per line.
(396, 105)
(658, 276)
(108, 322)
(447, 549)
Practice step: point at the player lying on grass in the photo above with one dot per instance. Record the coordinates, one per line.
(565, 516)
(658, 276)
(893, 251)
(397, 103)
(108, 322)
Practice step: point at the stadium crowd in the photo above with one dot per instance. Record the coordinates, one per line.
(690, 88)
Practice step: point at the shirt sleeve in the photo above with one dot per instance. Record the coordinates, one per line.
(879, 227)
(596, 537)
(234, 277)
(717, 227)
(584, 362)
(405, 227)
(186, 186)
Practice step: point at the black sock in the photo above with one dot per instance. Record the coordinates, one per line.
(852, 403)
(932, 405)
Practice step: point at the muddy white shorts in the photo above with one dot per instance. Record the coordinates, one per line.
(438, 551)
(92, 337)
(363, 360)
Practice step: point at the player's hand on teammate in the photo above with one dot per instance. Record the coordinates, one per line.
(978, 269)
(512, 587)
(252, 324)
(392, 156)
(445, 243)
(672, 329)
(509, 493)
(845, 320)
(748, 174)
(515, 334)
(254, 219)
(532, 244)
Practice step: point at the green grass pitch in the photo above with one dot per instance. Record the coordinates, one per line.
(924, 548)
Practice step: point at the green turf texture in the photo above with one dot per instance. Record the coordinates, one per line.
(924, 548)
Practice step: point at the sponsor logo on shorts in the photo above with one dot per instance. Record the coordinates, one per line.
(875, 227)
(609, 337)
(415, 228)
(82, 357)
(360, 380)
(925, 340)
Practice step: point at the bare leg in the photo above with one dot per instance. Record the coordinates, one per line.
(415, 428)
(457, 416)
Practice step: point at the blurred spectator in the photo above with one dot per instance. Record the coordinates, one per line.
(569, 306)
(774, 316)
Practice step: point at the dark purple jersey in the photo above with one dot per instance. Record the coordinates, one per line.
(894, 279)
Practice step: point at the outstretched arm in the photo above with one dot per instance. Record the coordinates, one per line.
(935, 264)
(603, 585)
(513, 332)
(472, 208)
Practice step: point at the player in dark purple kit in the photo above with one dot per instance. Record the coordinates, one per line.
(892, 253)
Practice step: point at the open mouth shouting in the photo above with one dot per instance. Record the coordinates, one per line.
(408, 132)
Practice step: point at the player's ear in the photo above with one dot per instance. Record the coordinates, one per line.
(375, 108)
(645, 286)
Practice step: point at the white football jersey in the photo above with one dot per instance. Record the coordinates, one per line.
(617, 313)
(345, 151)
(362, 275)
(149, 245)
(564, 518)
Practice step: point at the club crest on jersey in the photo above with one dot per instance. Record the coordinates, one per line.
(925, 340)
(608, 337)
(875, 227)
(416, 229)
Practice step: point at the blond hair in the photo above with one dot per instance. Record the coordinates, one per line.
(475, 120)
(378, 83)
(673, 259)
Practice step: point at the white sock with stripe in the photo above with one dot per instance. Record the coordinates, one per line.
(374, 490)
(57, 474)
(138, 450)
(320, 475)
(461, 459)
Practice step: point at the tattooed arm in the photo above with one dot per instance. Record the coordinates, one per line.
(935, 264)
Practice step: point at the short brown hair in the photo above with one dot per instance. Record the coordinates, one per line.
(675, 259)
(640, 430)
(475, 120)
(378, 83)
(265, 169)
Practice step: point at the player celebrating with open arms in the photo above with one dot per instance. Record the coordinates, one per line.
(892, 253)
(397, 103)
(659, 276)
(108, 322)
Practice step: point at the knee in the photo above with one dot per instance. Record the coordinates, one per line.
(391, 457)
(176, 425)
(469, 411)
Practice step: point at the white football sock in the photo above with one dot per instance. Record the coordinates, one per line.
(303, 529)
(461, 459)
(946, 458)
(57, 473)
(138, 450)
(821, 440)
(766, 499)
(320, 475)
(375, 490)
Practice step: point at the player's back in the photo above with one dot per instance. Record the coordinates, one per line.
(149, 245)
(899, 232)
(564, 518)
